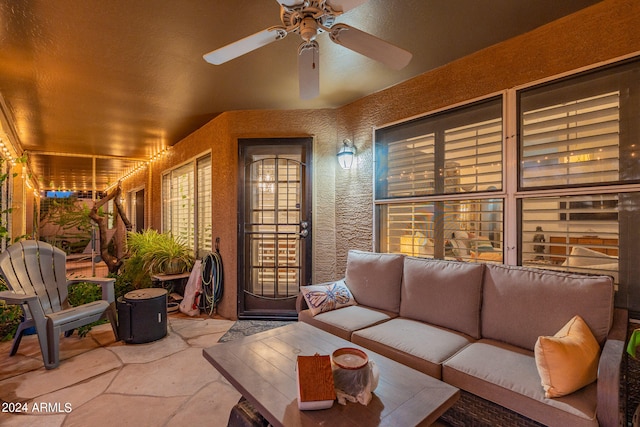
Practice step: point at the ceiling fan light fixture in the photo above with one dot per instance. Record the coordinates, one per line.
(308, 29)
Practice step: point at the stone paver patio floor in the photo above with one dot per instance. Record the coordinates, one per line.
(101, 382)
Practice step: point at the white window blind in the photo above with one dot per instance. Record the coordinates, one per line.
(571, 143)
(410, 167)
(187, 204)
(473, 157)
(204, 206)
(179, 201)
(468, 230)
(407, 228)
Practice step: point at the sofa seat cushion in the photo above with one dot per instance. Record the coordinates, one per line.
(415, 344)
(343, 321)
(443, 293)
(507, 375)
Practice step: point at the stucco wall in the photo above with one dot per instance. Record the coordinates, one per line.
(343, 208)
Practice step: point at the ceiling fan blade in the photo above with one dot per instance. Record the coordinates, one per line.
(309, 69)
(245, 45)
(371, 46)
(344, 5)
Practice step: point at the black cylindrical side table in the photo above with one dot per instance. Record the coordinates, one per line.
(142, 315)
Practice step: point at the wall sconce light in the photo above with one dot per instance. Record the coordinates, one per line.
(346, 154)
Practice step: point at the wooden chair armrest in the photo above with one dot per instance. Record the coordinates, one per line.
(11, 297)
(106, 283)
(608, 409)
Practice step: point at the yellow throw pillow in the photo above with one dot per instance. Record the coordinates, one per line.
(568, 360)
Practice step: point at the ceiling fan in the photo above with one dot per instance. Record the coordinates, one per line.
(308, 18)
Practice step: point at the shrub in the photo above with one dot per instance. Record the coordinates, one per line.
(160, 252)
(10, 317)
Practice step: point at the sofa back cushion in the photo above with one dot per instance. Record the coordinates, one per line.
(374, 279)
(520, 304)
(443, 293)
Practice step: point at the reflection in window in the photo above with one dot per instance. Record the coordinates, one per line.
(469, 230)
(571, 143)
(572, 233)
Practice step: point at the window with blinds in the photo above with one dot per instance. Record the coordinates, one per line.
(203, 167)
(450, 152)
(427, 162)
(572, 233)
(180, 200)
(577, 137)
(572, 143)
(187, 204)
(407, 228)
(468, 230)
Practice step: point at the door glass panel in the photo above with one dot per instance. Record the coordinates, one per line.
(272, 232)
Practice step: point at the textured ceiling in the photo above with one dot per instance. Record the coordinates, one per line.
(121, 79)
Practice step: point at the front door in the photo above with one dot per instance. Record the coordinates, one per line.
(274, 240)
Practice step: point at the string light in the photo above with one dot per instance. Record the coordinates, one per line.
(140, 166)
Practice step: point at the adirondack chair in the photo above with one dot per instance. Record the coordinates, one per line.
(35, 273)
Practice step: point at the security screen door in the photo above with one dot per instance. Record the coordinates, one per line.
(274, 239)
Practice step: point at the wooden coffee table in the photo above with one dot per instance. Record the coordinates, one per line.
(262, 368)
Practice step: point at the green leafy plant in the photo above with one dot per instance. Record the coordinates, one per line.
(132, 276)
(82, 293)
(68, 223)
(10, 317)
(160, 253)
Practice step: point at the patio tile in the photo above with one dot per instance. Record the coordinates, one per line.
(103, 334)
(205, 341)
(148, 352)
(14, 420)
(16, 365)
(77, 395)
(180, 374)
(166, 382)
(210, 406)
(124, 411)
(42, 381)
(193, 328)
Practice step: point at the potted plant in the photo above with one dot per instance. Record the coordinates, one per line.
(161, 253)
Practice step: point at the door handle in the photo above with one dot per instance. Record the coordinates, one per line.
(304, 233)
